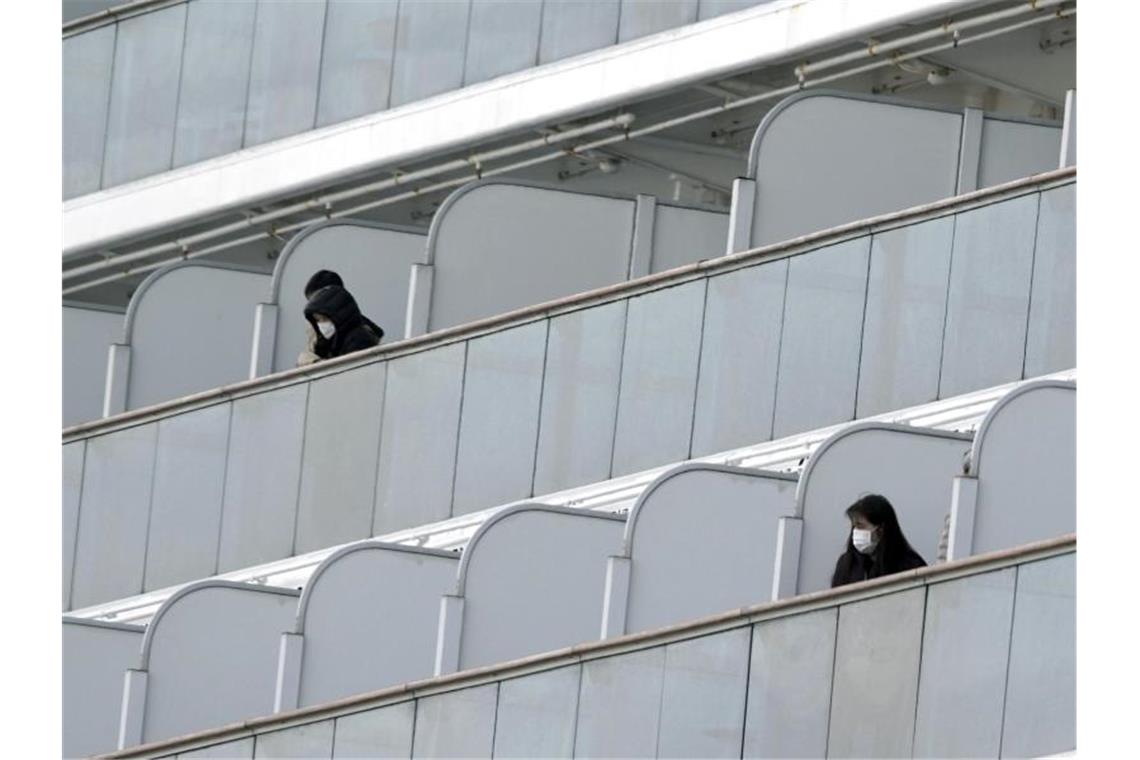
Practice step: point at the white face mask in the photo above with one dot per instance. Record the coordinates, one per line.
(863, 540)
(327, 328)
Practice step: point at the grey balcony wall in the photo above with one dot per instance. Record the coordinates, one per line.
(375, 262)
(456, 724)
(544, 251)
(619, 706)
(430, 44)
(619, 382)
(72, 492)
(215, 78)
(356, 59)
(912, 468)
(204, 78)
(570, 27)
(658, 377)
(87, 334)
(789, 685)
(535, 714)
(144, 95)
(714, 8)
(498, 427)
(263, 474)
(1051, 344)
(987, 307)
(86, 92)
(110, 544)
(873, 658)
(386, 732)
(1024, 459)
(579, 397)
(367, 615)
(703, 695)
(963, 666)
(532, 579)
(812, 154)
(211, 656)
(502, 38)
(642, 17)
(338, 463)
(186, 497)
(309, 740)
(1041, 686)
(736, 385)
(702, 539)
(820, 338)
(95, 656)
(189, 328)
(284, 69)
(418, 439)
(904, 317)
(793, 683)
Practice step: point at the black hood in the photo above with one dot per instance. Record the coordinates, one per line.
(338, 305)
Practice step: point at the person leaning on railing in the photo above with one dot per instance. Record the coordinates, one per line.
(334, 325)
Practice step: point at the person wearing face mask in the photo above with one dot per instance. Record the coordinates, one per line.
(317, 345)
(876, 545)
(336, 320)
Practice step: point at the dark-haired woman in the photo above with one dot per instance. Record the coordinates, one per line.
(876, 545)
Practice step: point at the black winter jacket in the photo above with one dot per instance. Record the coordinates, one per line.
(354, 331)
(854, 566)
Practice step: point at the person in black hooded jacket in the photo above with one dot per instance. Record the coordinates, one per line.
(338, 323)
(876, 545)
(316, 346)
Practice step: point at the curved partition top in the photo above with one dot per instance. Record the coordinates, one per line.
(703, 539)
(533, 579)
(502, 515)
(792, 100)
(211, 651)
(189, 327)
(974, 463)
(817, 157)
(174, 599)
(331, 563)
(497, 245)
(1024, 459)
(369, 614)
(649, 494)
(912, 467)
(374, 260)
(135, 304)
